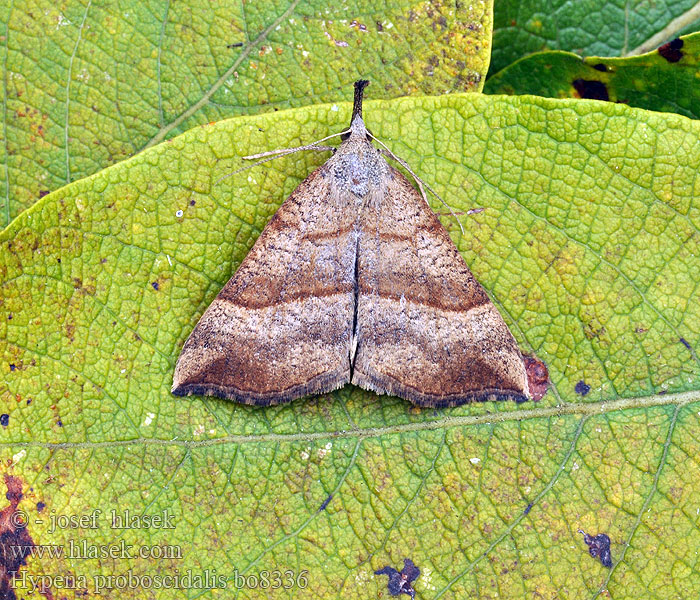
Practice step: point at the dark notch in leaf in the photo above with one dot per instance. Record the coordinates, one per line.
(591, 89)
(401, 582)
(600, 67)
(4, 419)
(598, 547)
(582, 388)
(686, 344)
(672, 51)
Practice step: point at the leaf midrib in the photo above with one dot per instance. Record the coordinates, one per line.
(679, 399)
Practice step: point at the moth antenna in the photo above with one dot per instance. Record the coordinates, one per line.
(269, 158)
(272, 154)
(285, 151)
(297, 149)
(419, 181)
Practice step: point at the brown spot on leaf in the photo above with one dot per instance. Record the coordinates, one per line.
(360, 26)
(401, 582)
(70, 331)
(43, 193)
(325, 503)
(672, 51)
(537, 377)
(582, 388)
(15, 542)
(598, 547)
(591, 89)
(594, 329)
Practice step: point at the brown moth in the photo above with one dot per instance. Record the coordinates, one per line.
(353, 280)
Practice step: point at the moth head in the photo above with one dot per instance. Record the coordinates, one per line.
(357, 125)
(345, 136)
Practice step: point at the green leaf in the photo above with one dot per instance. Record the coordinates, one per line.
(588, 242)
(87, 84)
(649, 81)
(589, 27)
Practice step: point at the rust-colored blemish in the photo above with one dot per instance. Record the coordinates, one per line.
(15, 542)
(537, 377)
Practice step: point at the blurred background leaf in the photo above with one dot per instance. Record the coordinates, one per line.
(665, 80)
(587, 27)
